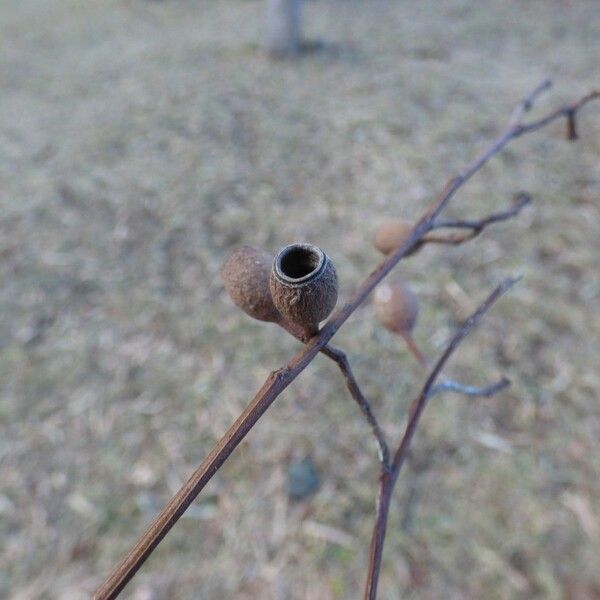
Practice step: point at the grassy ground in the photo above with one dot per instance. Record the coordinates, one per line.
(139, 143)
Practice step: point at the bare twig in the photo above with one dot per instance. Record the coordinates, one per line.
(459, 336)
(365, 407)
(514, 130)
(388, 479)
(280, 379)
(568, 112)
(449, 385)
(475, 226)
(342, 362)
(527, 103)
(521, 201)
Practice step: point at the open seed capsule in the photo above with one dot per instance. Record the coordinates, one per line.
(304, 285)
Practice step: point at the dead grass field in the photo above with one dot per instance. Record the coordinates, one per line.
(139, 143)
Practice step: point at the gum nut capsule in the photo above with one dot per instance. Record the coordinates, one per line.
(245, 275)
(391, 235)
(304, 285)
(396, 307)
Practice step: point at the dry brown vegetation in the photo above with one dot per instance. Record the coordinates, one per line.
(139, 143)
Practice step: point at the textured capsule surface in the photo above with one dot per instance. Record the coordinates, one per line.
(304, 285)
(391, 235)
(396, 307)
(245, 275)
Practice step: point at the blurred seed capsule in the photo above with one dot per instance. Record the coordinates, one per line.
(396, 306)
(245, 274)
(391, 235)
(397, 309)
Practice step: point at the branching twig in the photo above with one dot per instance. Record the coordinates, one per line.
(419, 404)
(450, 385)
(514, 130)
(388, 479)
(569, 112)
(475, 226)
(279, 380)
(342, 362)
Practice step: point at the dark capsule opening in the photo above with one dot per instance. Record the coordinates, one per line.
(299, 262)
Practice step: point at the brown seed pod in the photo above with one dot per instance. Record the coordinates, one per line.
(391, 235)
(396, 307)
(245, 275)
(304, 285)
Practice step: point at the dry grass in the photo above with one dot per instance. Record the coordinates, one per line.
(140, 142)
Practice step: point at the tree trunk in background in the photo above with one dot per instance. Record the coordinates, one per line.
(283, 27)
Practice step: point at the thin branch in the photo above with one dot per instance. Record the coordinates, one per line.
(459, 336)
(514, 130)
(365, 407)
(281, 379)
(527, 103)
(340, 358)
(476, 226)
(568, 112)
(449, 385)
(388, 480)
(522, 199)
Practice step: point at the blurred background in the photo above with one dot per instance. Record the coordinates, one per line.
(140, 142)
